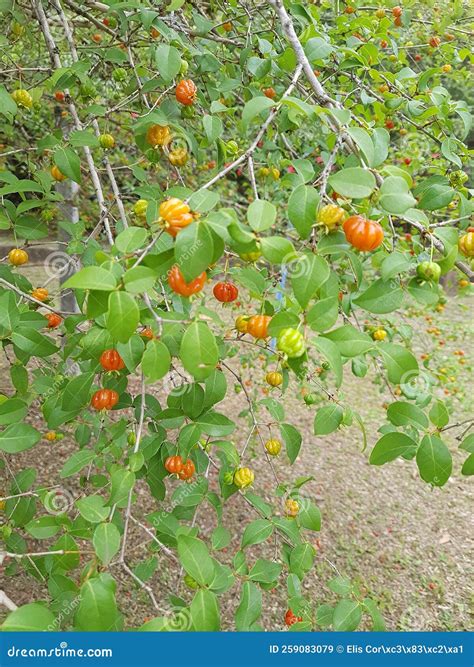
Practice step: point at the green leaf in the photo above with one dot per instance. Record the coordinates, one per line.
(340, 585)
(402, 413)
(364, 141)
(347, 616)
(68, 163)
(18, 437)
(106, 541)
(32, 617)
(302, 559)
(350, 341)
(395, 195)
(323, 314)
(292, 439)
(12, 411)
(43, 528)
(195, 559)
(92, 508)
(205, 612)
(331, 352)
(92, 277)
(33, 342)
(328, 419)
(168, 61)
(76, 393)
(156, 360)
(8, 106)
(277, 249)
(199, 352)
(381, 297)
(131, 239)
(194, 249)
(76, 462)
(265, 571)
(139, 279)
(400, 363)
(257, 531)
(439, 415)
(391, 446)
(212, 127)
(378, 624)
(261, 215)
(250, 607)
(221, 537)
(255, 107)
(309, 516)
(434, 460)
(123, 316)
(122, 482)
(97, 610)
(302, 208)
(354, 182)
(309, 273)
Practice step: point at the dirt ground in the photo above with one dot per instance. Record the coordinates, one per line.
(408, 546)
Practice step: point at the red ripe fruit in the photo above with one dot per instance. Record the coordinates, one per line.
(53, 320)
(291, 618)
(59, 96)
(110, 360)
(104, 399)
(389, 124)
(225, 292)
(188, 470)
(397, 11)
(174, 464)
(407, 160)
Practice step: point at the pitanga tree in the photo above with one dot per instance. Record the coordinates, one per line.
(303, 162)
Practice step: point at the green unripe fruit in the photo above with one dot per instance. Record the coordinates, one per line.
(119, 74)
(140, 208)
(106, 141)
(291, 342)
(228, 478)
(184, 67)
(87, 90)
(131, 439)
(458, 178)
(232, 147)
(310, 399)
(190, 582)
(429, 271)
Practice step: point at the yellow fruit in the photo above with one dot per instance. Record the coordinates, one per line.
(50, 435)
(243, 477)
(40, 294)
(242, 323)
(140, 208)
(273, 447)
(466, 244)
(292, 508)
(446, 68)
(158, 135)
(275, 173)
(178, 157)
(17, 257)
(106, 141)
(57, 174)
(23, 98)
(331, 215)
(274, 379)
(250, 256)
(463, 282)
(380, 334)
